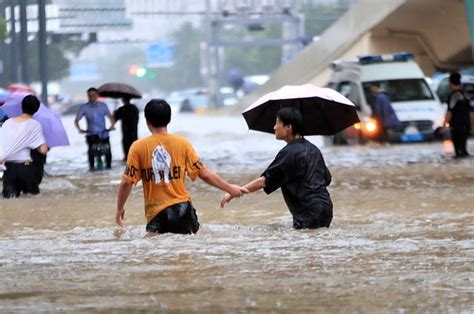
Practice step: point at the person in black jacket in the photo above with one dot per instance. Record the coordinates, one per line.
(128, 113)
(458, 116)
(299, 169)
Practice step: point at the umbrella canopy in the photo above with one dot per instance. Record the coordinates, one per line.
(3, 95)
(118, 90)
(324, 110)
(22, 88)
(53, 129)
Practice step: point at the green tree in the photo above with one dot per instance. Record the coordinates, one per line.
(58, 64)
(115, 69)
(253, 60)
(186, 69)
(319, 17)
(3, 29)
(184, 73)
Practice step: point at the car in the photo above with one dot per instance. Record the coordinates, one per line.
(197, 99)
(417, 107)
(188, 100)
(228, 96)
(441, 86)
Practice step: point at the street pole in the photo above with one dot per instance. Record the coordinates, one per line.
(469, 6)
(23, 43)
(13, 42)
(210, 52)
(2, 47)
(43, 51)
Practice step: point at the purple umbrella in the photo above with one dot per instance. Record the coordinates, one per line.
(53, 128)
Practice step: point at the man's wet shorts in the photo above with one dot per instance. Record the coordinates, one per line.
(19, 177)
(178, 218)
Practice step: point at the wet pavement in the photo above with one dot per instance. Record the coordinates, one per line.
(402, 237)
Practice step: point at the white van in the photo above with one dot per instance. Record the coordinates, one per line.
(416, 106)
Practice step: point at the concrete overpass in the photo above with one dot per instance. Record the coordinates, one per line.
(436, 31)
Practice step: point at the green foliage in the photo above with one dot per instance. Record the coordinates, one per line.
(186, 69)
(3, 29)
(58, 65)
(253, 60)
(70, 45)
(185, 72)
(318, 18)
(115, 69)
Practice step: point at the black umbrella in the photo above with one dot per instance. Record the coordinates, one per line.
(324, 110)
(118, 90)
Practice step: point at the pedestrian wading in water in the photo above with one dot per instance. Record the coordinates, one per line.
(161, 161)
(301, 173)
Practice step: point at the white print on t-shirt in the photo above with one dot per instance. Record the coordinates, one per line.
(161, 161)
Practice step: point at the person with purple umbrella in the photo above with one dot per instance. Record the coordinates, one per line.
(18, 137)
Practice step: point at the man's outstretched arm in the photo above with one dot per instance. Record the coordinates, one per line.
(215, 180)
(252, 186)
(124, 190)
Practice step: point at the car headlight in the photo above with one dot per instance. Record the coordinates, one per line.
(370, 126)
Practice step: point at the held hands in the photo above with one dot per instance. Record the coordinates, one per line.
(236, 191)
(226, 199)
(120, 216)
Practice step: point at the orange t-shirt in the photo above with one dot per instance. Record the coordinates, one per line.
(161, 162)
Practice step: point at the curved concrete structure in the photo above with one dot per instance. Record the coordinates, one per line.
(436, 31)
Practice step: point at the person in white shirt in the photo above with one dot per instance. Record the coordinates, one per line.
(18, 136)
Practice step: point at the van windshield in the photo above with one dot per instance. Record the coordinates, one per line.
(402, 90)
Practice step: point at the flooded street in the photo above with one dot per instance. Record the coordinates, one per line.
(402, 237)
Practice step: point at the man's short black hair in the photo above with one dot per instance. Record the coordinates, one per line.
(455, 78)
(292, 116)
(30, 104)
(375, 83)
(92, 89)
(158, 113)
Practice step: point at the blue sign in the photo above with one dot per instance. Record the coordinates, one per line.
(412, 137)
(160, 55)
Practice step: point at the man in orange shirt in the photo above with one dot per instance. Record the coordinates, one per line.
(161, 161)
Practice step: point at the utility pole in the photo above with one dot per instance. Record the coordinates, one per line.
(469, 6)
(13, 42)
(2, 46)
(24, 77)
(43, 51)
(252, 15)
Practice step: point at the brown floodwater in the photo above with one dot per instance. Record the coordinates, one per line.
(402, 237)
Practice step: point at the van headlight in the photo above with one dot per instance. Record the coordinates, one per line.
(370, 126)
(438, 123)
